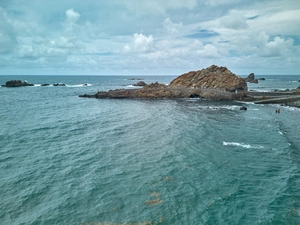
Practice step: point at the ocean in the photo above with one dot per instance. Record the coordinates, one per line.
(71, 160)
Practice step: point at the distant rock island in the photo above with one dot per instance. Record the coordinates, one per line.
(213, 83)
(16, 83)
(251, 78)
(19, 83)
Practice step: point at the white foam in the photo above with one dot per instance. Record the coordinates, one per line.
(228, 107)
(280, 132)
(79, 85)
(236, 144)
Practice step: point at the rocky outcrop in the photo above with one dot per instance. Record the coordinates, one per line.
(16, 83)
(251, 78)
(59, 84)
(213, 77)
(140, 84)
(214, 83)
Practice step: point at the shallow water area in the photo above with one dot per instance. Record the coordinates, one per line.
(71, 160)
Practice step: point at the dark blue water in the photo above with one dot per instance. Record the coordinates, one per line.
(71, 160)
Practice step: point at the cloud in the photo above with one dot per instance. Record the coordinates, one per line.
(220, 2)
(8, 41)
(276, 48)
(168, 36)
(234, 20)
(171, 27)
(158, 6)
(140, 43)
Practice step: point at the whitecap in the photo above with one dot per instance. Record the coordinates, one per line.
(236, 144)
(79, 85)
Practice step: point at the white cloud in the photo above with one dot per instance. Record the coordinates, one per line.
(234, 20)
(72, 16)
(140, 43)
(158, 6)
(220, 2)
(169, 35)
(171, 27)
(276, 48)
(8, 41)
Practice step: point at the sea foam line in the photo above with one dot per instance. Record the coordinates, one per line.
(236, 144)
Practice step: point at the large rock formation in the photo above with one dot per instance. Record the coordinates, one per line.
(16, 83)
(215, 83)
(251, 78)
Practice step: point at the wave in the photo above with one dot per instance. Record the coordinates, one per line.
(227, 107)
(79, 85)
(236, 144)
(64, 85)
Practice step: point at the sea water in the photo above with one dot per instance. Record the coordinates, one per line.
(71, 160)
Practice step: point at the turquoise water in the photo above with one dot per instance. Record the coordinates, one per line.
(71, 160)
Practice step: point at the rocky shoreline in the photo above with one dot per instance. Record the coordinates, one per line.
(212, 83)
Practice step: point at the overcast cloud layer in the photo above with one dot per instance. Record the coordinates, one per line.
(149, 37)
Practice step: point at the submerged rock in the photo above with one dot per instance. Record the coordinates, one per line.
(59, 84)
(215, 83)
(16, 83)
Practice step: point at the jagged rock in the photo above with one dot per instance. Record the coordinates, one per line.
(254, 81)
(215, 83)
(250, 77)
(16, 83)
(59, 84)
(140, 84)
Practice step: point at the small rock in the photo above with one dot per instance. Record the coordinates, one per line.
(59, 84)
(243, 108)
(140, 83)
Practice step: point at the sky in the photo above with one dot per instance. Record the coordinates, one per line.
(149, 37)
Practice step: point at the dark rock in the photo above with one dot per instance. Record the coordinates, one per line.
(250, 77)
(254, 81)
(243, 108)
(59, 84)
(45, 85)
(261, 78)
(16, 83)
(194, 95)
(134, 79)
(140, 83)
(87, 96)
